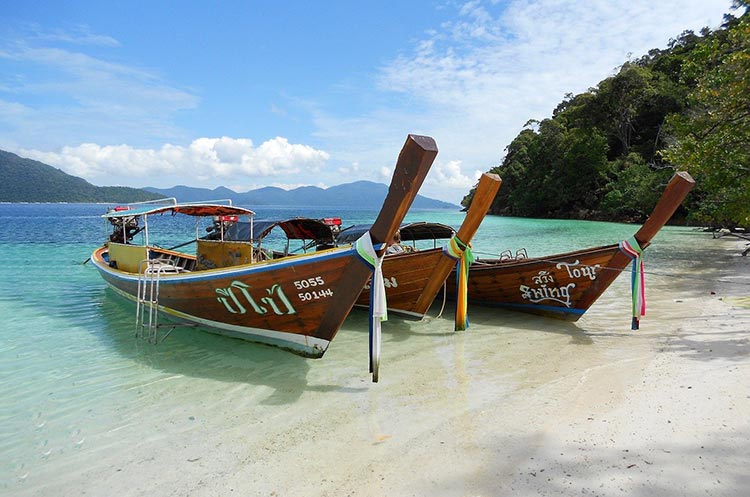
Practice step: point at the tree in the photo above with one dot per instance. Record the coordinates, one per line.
(712, 139)
(602, 153)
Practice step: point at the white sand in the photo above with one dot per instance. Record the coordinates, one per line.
(515, 406)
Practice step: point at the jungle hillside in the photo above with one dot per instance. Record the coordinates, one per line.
(26, 180)
(607, 154)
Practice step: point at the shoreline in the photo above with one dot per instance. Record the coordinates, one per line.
(515, 406)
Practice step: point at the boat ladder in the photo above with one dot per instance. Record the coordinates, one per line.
(150, 272)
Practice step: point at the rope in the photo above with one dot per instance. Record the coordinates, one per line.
(654, 273)
(378, 306)
(445, 297)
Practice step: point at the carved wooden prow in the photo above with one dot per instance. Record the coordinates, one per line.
(675, 192)
(485, 193)
(413, 164)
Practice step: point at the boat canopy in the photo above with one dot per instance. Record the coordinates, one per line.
(299, 228)
(189, 209)
(409, 232)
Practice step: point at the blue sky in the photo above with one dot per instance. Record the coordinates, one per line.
(249, 94)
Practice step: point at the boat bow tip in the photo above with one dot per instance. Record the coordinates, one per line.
(425, 142)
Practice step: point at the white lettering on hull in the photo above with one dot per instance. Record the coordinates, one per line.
(547, 289)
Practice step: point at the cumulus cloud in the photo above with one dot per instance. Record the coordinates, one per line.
(205, 159)
(473, 81)
(451, 175)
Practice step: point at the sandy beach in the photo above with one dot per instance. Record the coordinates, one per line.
(515, 406)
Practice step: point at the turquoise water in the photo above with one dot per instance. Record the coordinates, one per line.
(79, 391)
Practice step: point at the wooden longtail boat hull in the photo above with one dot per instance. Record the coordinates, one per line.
(562, 286)
(565, 285)
(297, 303)
(406, 277)
(278, 304)
(413, 279)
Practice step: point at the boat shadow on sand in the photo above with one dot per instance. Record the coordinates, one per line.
(437, 324)
(191, 351)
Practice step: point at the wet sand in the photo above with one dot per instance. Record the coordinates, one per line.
(515, 406)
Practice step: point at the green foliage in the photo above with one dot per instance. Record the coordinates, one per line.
(635, 190)
(712, 140)
(25, 180)
(602, 153)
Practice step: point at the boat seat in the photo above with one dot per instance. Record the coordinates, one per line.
(127, 257)
(212, 254)
(163, 266)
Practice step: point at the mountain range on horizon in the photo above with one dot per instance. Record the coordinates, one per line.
(358, 193)
(27, 180)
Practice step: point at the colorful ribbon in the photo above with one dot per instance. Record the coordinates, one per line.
(461, 252)
(378, 305)
(631, 248)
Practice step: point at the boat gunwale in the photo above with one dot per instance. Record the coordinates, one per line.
(217, 273)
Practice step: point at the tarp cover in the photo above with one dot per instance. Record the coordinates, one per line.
(409, 232)
(187, 209)
(294, 229)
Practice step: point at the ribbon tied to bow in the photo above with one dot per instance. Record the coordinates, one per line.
(631, 248)
(378, 305)
(461, 252)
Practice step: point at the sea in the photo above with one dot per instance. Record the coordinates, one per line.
(86, 406)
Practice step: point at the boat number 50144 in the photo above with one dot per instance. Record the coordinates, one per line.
(314, 291)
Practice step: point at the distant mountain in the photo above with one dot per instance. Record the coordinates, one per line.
(360, 193)
(26, 180)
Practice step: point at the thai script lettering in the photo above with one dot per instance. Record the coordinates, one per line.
(236, 305)
(559, 294)
(391, 282)
(543, 278)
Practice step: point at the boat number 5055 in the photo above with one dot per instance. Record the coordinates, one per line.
(313, 287)
(309, 283)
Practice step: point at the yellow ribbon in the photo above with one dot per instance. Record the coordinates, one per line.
(461, 252)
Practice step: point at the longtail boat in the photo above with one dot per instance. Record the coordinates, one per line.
(565, 285)
(297, 303)
(414, 277)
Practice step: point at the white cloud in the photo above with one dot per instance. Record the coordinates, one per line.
(474, 81)
(78, 35)
(470, 82)
(207, 159)
(73, 94)
(450, 175)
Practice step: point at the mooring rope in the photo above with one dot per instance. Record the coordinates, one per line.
(655, 273)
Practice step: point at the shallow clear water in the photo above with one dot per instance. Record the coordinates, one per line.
(78, 390)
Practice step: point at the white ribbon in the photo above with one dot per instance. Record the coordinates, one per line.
(378, 305)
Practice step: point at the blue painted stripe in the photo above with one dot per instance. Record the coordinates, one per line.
(235, 271)
(551, 308)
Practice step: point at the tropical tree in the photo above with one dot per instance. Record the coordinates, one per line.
(712, 139)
